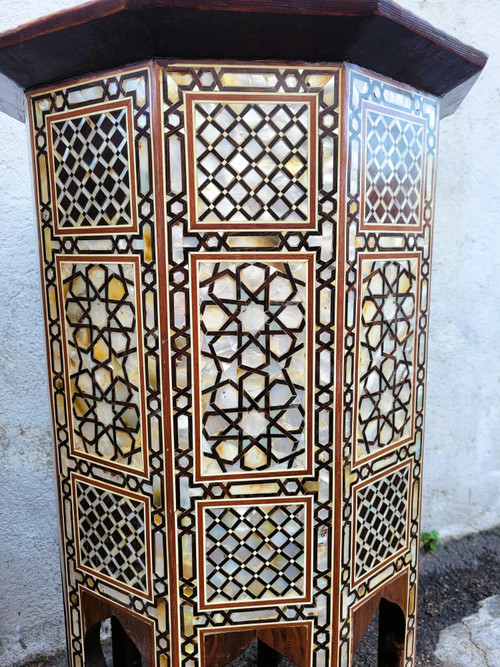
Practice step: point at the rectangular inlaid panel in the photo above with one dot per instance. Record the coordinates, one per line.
(251, 160)
(384, 269)
(253, 553)
(253, 370)
(102, 336)
(112, 535)
(393, 164)
(92, 167)
(251, 322)
(388, 293)
(382, 511)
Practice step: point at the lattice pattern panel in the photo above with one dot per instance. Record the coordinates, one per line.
(253, 158)
(113, 539)
(254, 345)
(385, 267)
(103, 357)
(394, 145)
(381, 509)
(100, 286)
(254, 554)
(205, 320)
(92, 168)
(388, 293)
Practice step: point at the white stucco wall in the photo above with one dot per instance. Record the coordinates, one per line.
(462, 461)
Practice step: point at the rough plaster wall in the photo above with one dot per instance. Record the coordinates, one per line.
(461, 491)
(462, 466)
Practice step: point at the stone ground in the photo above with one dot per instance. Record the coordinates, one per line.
(459, 609)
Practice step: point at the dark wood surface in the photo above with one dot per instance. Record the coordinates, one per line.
(376, 34)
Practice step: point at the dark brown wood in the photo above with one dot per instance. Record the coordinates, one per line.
(125, 652)
(96, 609)
(222, 648)
(291, 640)
(377, 34)
(394, 592)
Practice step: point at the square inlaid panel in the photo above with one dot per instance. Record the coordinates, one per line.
(382, 514)
(393, 164)
(112, 534)
(253, 363)
(254, 552)
(388, 288)
(251, 160)
(102, 336)
(92, 169)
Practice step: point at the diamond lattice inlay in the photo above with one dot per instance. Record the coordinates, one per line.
(381, 521)
(252, 161)
(102, 358)
(254, 553)
(386, 352)
(253, 377)
(393, 171)
(91, 169)
(111, 534)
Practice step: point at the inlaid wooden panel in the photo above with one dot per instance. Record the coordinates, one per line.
(384, 256)
(95, 192)
(92, 168)
(254, 553)
(113, 534)
(251, 160)
(253, 377)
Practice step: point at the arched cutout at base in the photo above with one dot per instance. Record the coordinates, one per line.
(292, 641)
(390, 601)
(132, 638)
(258, 653)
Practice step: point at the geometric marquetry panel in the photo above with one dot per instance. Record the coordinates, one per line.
(393, 164)
(94, 167)
(102, 349)
(253, 553)
(252, 206)
(251, 160)
(92, 175)
(381, 508)
(253, 369)
(113, 535)
(388, 303)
